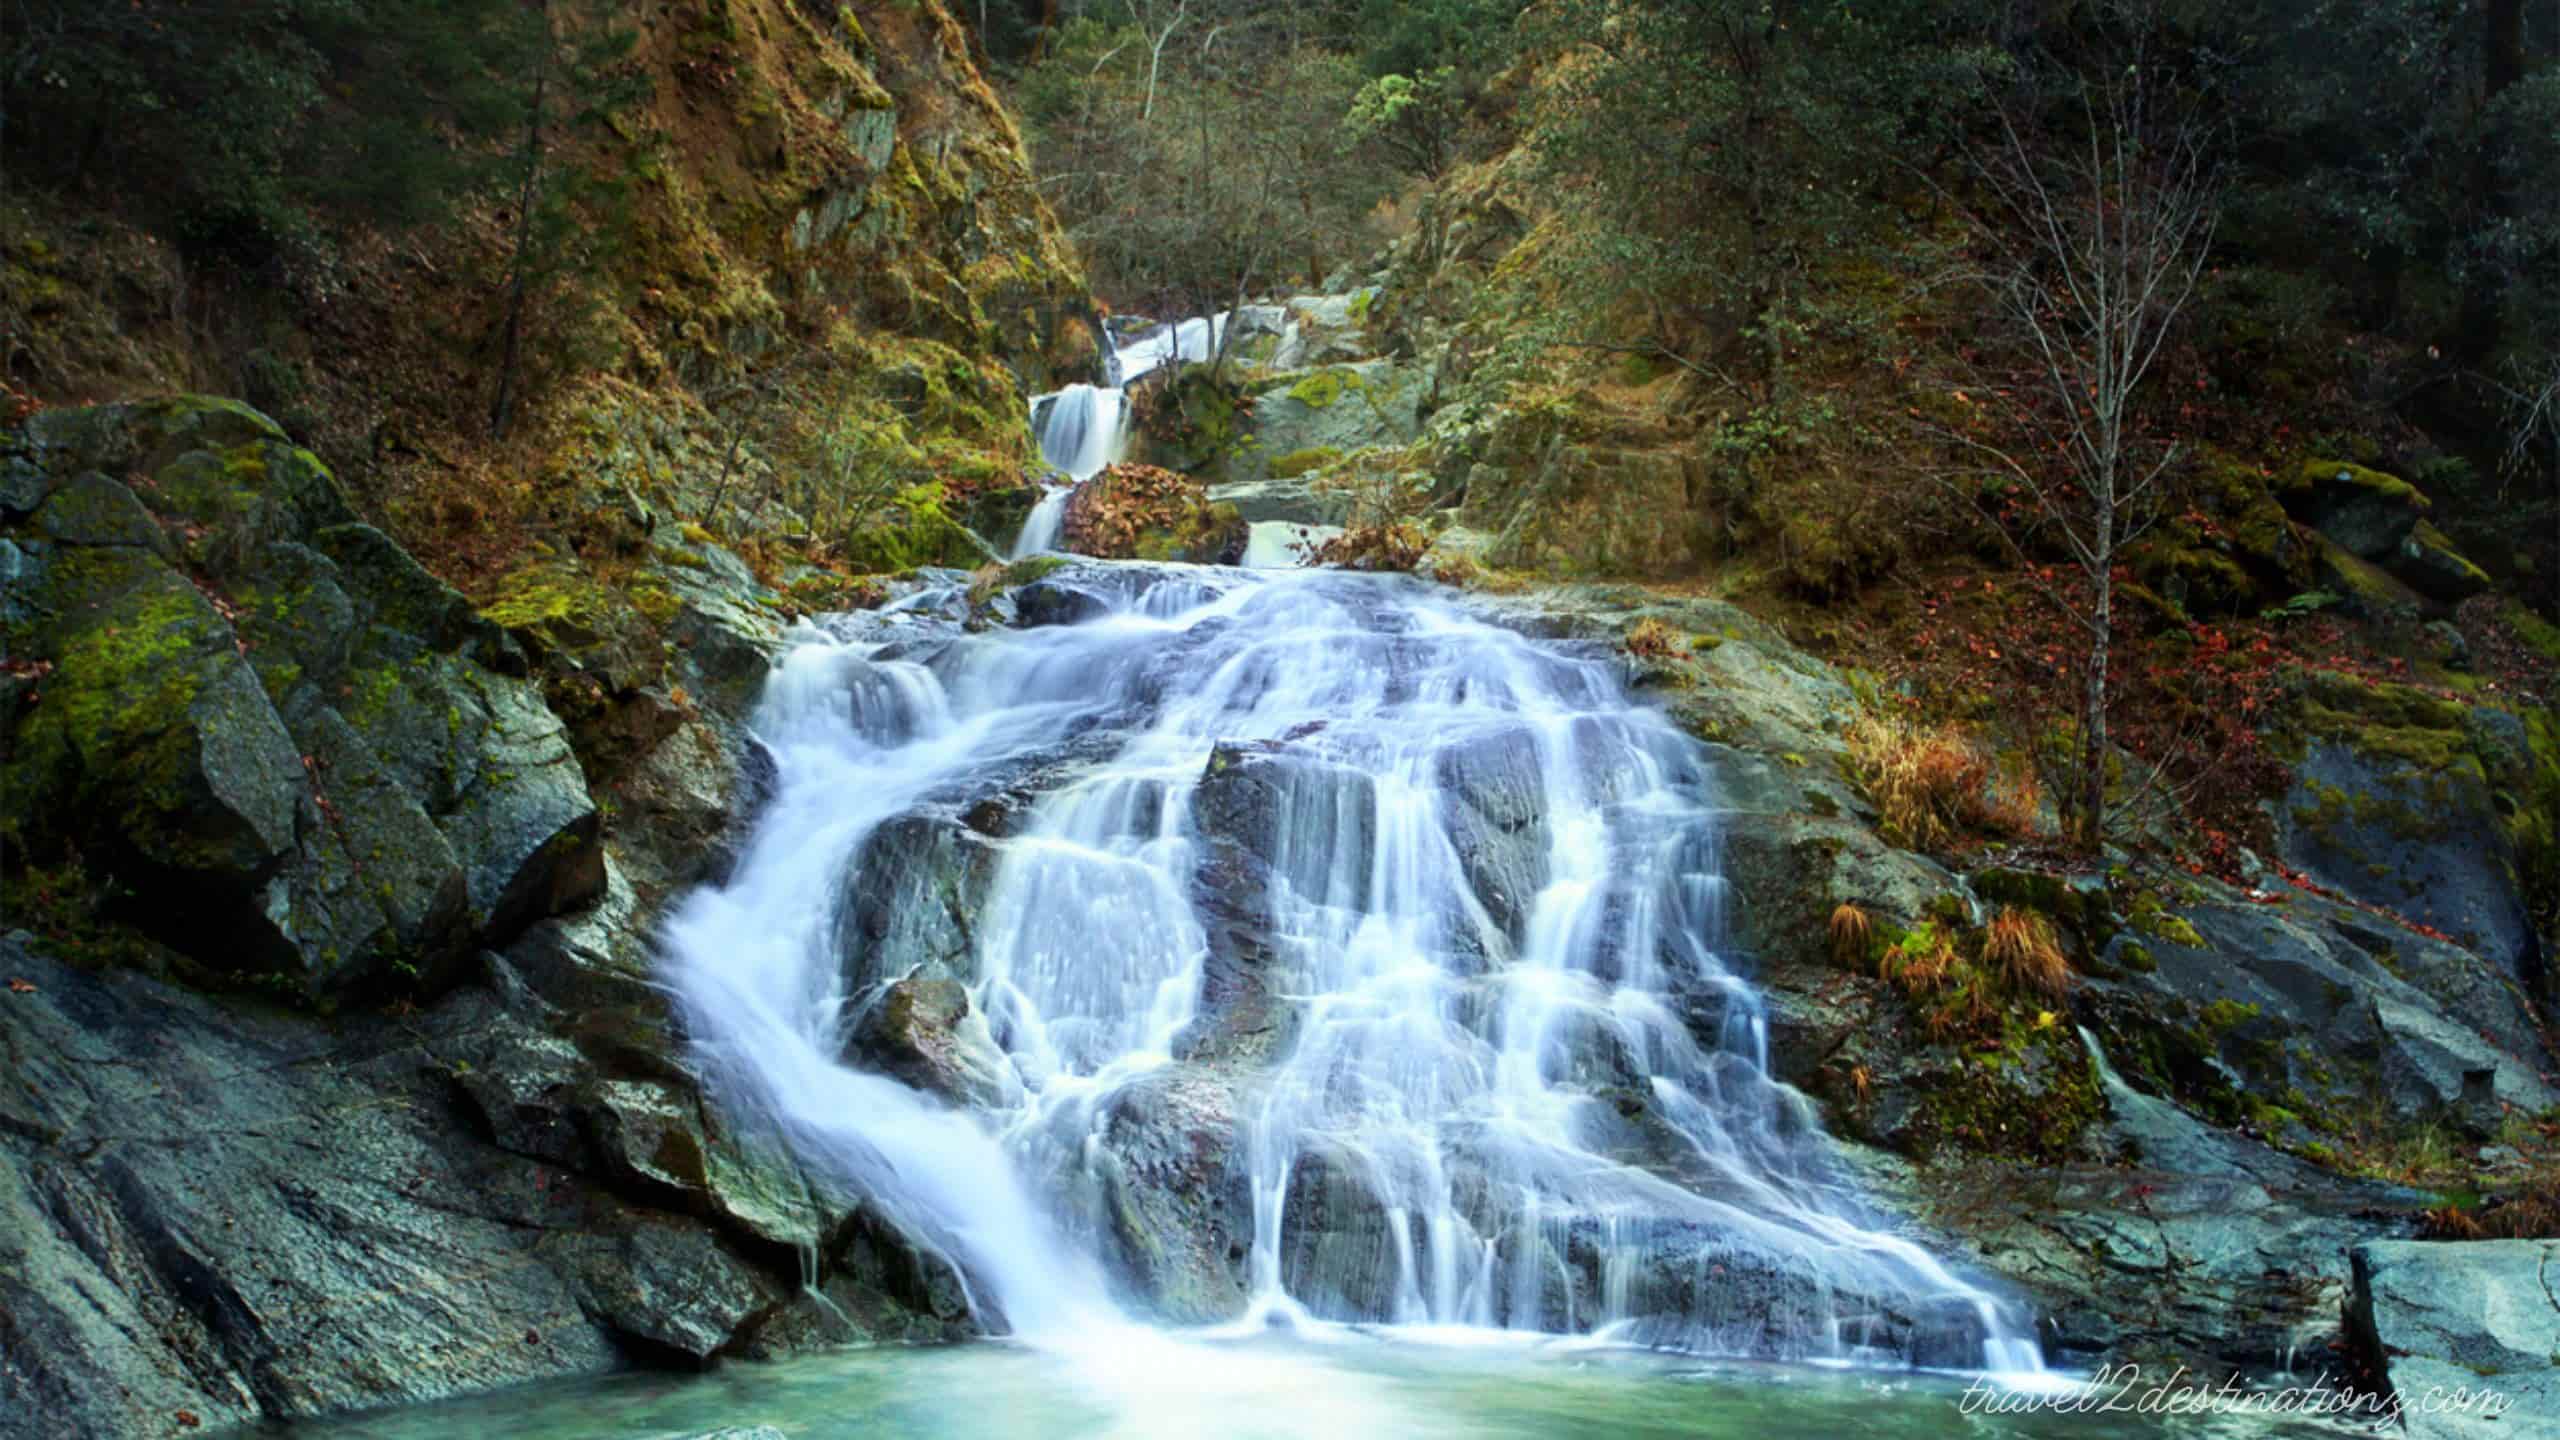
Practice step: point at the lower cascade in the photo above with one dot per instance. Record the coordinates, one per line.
(1282, 949)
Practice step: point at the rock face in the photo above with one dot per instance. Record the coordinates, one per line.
(324, 777)
(268, 711)
(1302, 422)
(2396, 801)
(2467, 1335)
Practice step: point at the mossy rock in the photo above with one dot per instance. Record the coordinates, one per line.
(2369, 591)
(2430, 565)
(2367, 511)
(1302, 462)
(153, 727)
(911, 531)
(94, 510)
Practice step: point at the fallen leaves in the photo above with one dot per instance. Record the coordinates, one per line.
(21, 987)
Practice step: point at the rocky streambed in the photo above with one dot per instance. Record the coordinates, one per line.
(339, 1074)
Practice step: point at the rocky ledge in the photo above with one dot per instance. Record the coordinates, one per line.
(336, 1075)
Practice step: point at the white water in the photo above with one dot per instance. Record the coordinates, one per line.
(1283, 544)
(1082, 431)
(1524, 1091)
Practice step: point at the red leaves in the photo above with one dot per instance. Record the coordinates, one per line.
(21, 987)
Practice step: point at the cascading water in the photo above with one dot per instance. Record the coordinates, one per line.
(1082, 430)
(1434, 906)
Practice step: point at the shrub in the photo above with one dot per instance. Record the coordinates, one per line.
(1654, 640)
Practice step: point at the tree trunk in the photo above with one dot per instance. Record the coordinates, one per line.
(511, 342)
(2091, 803)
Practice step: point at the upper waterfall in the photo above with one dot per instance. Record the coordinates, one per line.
(1309, 910)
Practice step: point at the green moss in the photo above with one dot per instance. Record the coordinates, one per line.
(2538, 635)
(656, 603)
(2380, 719)
(1014, 576)
(913, 530)
(2031, 1098)
(2151, 918)
(1321, 390)
(1300, 462)
(2458, 565)
(2317, 474)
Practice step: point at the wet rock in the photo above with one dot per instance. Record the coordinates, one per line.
(925, 1033)
(2475, 1319)
(912, 900)
(1496, 818)
(669, 1289)
(1338, 1243)
(1172, 1198)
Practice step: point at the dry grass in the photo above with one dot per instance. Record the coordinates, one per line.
(1932, 784)
(1849, 930)
(2020, 944)
(2531, 1213)
(1654, 640)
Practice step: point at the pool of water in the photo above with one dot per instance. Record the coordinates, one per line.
(1143, 1385)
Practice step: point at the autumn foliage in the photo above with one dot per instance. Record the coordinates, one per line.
(1117, 513)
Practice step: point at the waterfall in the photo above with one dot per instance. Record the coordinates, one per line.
(1437, 903)
(1082, 430)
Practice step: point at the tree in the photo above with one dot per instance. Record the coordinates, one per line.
(562, 213)
(1712, 151)
(1196, 151)
(248, 131)
(2098, 236)
(1416, 118)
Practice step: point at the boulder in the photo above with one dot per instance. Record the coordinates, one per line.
(2367, 512)
(2432, 567)
(277, 714)
(1302, 420)
(2287, 1001)
(2391, 803)
(2467, 1335)
(926, 1034)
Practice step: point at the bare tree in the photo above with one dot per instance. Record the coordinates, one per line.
(2098, 239)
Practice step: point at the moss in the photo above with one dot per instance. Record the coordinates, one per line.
(656, 603)
(2400, 722)
(1014, 576)
(2456, 567)
(1300, 462)
(2037, 890)
(2319, 474)
(2151, 918)
(2136, 957)
(1323, 389)
(913, 530)
(2537, 634)
(2030, 1098)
